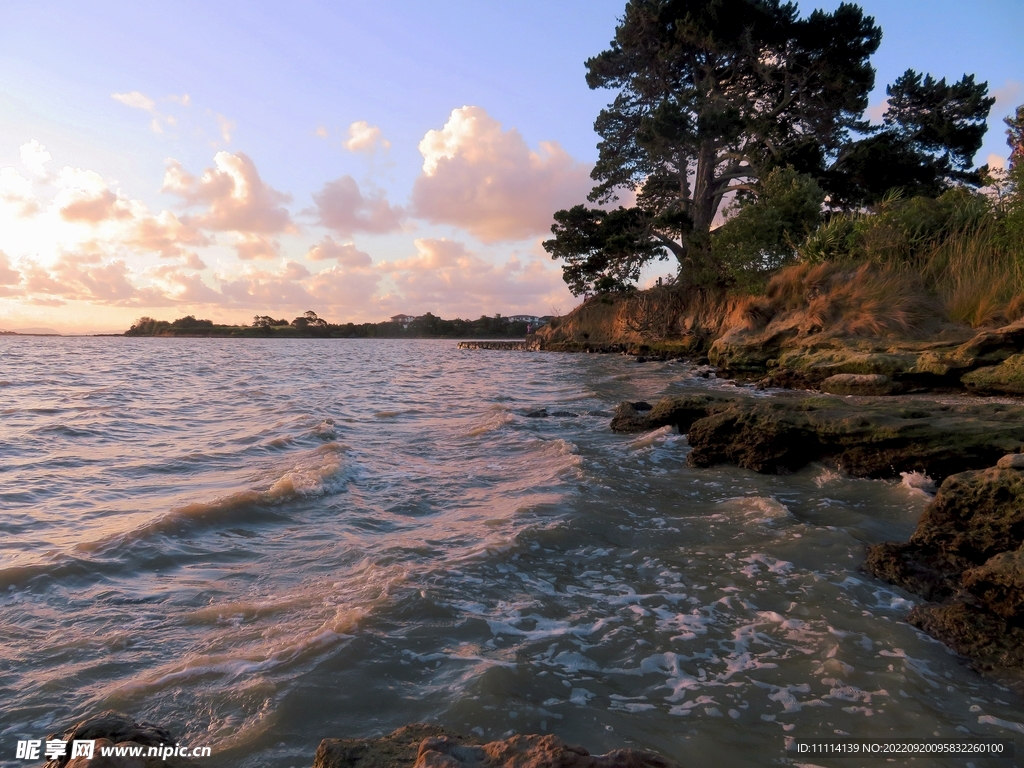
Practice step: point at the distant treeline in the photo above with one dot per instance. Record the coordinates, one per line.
(309, 324)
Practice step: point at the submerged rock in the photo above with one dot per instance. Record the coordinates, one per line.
(428, 746)
(967, 553)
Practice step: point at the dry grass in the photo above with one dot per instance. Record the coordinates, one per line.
(837, 299)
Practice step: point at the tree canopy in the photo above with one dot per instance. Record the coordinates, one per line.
(711, 96)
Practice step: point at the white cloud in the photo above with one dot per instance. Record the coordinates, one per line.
(135, 100)
(490, 183)
(35, 157)
(363, 137)
(16, 191)
(226, 127)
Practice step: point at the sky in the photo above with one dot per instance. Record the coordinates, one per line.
(232, 159)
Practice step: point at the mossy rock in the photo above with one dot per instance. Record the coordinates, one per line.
(987, 640)
(999, 584)
(1007, 378)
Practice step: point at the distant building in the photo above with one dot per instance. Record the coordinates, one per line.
(402, 320)
(532, 319)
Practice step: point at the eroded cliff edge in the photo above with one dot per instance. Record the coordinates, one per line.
(810, 325)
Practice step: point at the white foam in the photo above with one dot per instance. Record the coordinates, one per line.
(919, 483)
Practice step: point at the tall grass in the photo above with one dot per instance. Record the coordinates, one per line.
(957, 247)
(977, 274)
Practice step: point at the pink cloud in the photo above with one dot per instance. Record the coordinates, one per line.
(444, 277)
(83, 277)
(9, 277)
(490, 183)
(237, 198)
(345, 253)
(167, 235)
(251, 247)
(341, 206)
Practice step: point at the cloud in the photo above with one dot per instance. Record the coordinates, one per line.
(363, 137)
(996, 162)
(226, 127)
(346, 253)
(251, 247)
(8, 275)
(443, 276)
(876, 112)
(84, 277)
(236, 196)
(135, 100)
(35, 157)
(167, 235)
(85, 198)
(1007, 95)
(16, 191)
(321, 132)
(343, 208)
(490, 183)
(345, 289)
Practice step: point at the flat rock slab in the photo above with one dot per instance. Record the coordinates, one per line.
(860, 384)
(428, 746)
(866, 437)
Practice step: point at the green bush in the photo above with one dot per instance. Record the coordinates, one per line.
(763, 233)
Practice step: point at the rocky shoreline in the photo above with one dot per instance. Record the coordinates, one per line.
(420, 745)
(966, 557)
(867, 367)
(804, 346)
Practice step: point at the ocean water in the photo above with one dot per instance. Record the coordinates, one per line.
(262, 543)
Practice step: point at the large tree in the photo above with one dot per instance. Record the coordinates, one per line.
(929, 135)
(711, 96)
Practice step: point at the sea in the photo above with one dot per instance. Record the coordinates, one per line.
(258, 544)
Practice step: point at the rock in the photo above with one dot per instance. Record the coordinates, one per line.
(1007, 378)
(989, 642)
(974, 516)
(426, 746)
(999, 584)
(678, 411)
(917, 571)
(1011, 461)
(564, 414)
(967, 550)
(881, 438)
(117, 729)
(860, 384)
(628, 419)
(541, 414)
